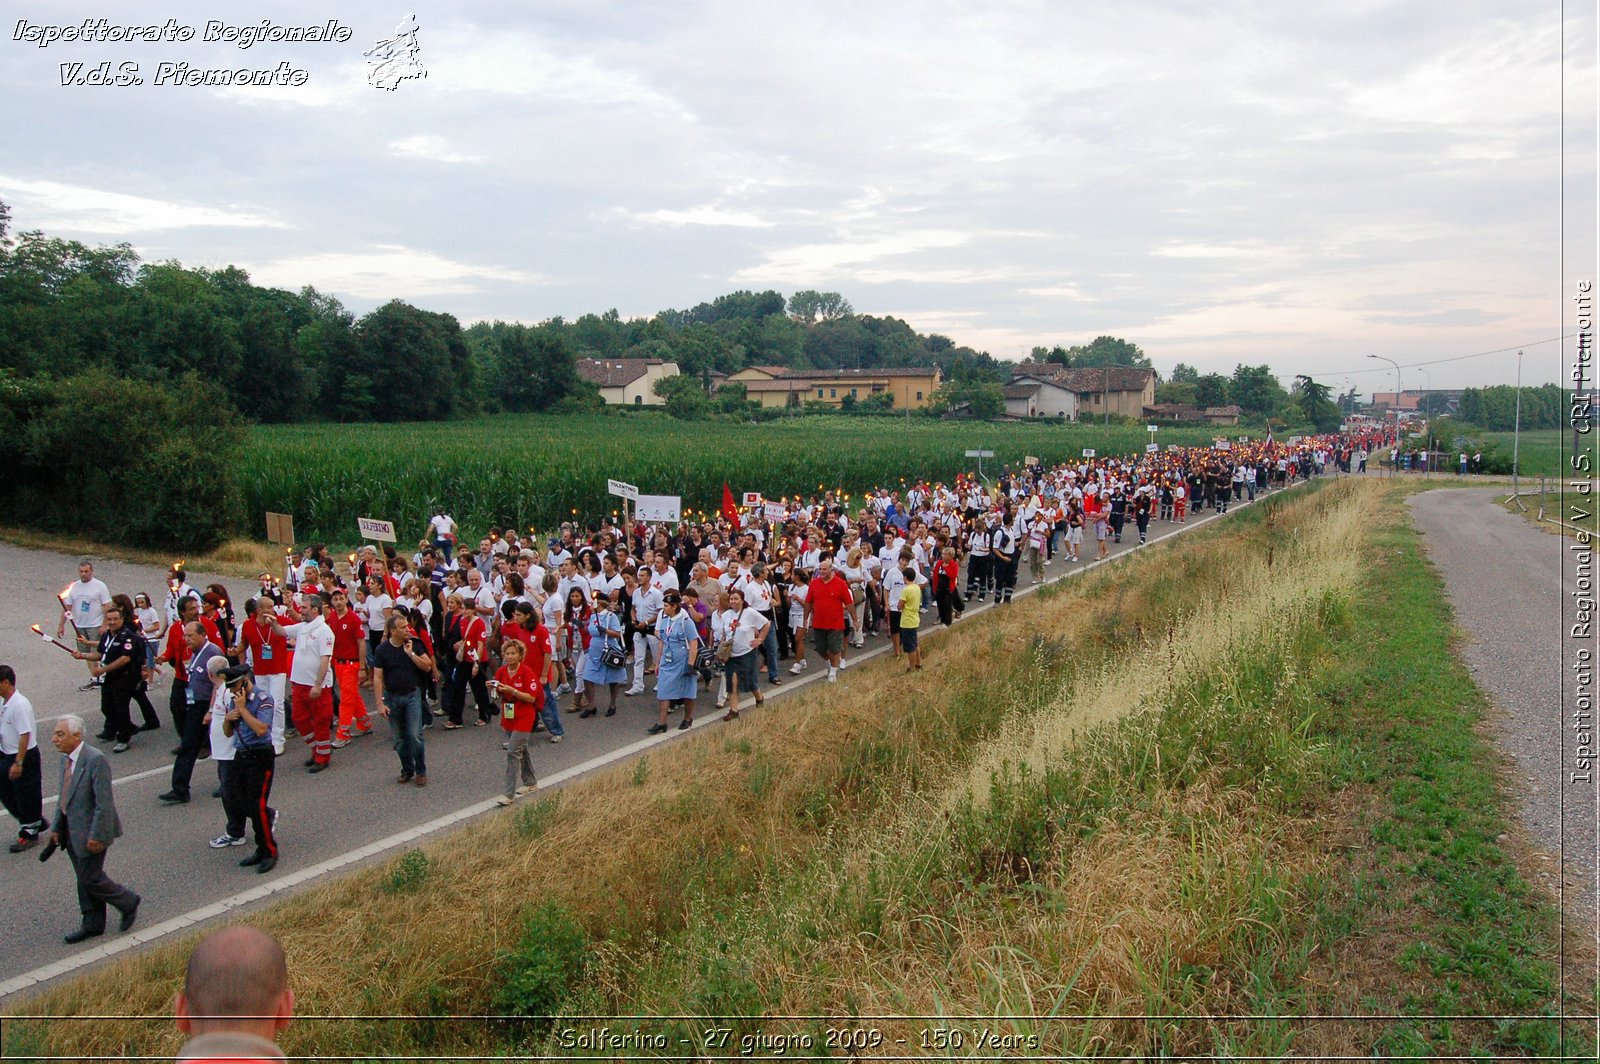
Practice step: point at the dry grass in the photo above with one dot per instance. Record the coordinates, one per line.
(634, 852)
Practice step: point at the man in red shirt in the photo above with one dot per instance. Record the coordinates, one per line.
(829, 597)
(269, 656)
(349, 668)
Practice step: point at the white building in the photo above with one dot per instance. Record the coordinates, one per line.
(627, 381)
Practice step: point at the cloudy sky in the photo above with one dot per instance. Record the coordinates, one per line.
(1301, 185)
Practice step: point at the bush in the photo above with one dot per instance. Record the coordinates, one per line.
(547, 963)
(127, 461)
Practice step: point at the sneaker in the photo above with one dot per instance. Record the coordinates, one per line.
(340, 744)
(555, 738)
(504, 799)
(120, 748)
(634, 690)
(90, 686)
(564, 689)
(364, 731)
(24, 842)
(833, 675)
(797, 668)
(722, 700)
(526, 788)
(222, 842)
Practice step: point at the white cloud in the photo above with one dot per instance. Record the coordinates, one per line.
(430, 148)
(52, 205)
(707, 214)
(387, 272)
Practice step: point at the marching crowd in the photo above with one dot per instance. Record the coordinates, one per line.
(461, 634)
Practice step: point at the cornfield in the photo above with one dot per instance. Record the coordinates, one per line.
(535, 471)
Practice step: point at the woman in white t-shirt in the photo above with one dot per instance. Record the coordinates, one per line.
(376, 610)
(745, 630)
(855, 575)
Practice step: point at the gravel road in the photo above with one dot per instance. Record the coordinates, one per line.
(1506, 582)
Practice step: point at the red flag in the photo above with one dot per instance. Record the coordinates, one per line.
(730, 509)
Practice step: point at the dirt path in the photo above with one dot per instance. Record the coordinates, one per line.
(1507, 584)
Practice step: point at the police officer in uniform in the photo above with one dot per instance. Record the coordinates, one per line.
(248, 725)
(121, 659)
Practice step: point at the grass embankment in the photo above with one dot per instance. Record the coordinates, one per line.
(1155, 793)
(237, 557)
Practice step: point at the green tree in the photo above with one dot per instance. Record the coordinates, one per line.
(1211, 390)
(810, 307)
(1316, 404)
(1183, 373)
(1183, 394)
(686, 399)
(1109, 351)
(1256, 390)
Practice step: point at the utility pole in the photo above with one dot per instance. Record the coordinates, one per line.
(1516, 433)
(1105, 399)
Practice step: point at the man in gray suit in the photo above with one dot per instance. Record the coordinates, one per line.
(85, 826)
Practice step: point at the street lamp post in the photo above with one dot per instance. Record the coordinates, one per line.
(1396, 366)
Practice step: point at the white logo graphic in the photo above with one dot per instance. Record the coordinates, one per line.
(395, 60)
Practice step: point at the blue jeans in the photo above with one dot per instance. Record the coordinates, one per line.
(550, 712)
(405, 722)
(769, 648)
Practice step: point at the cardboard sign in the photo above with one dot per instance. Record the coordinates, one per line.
(280, 529)
(1088, 452)
(775, 511)
(1244, 439)
(371, 528)
(1222, 445)
(1030, 459)
(622, 489)
(1173, 446)
(658, 508)
(752, 499)
(1152, 448)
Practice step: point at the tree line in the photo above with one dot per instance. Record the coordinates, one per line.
(281, 356)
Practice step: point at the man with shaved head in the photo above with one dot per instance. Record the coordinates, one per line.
(235, 998)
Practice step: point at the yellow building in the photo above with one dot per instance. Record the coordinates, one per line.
(778, 386)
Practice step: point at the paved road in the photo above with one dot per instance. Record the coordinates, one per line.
(350, 814)
(1505, 580)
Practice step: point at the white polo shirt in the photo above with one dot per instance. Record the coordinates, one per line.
(16, 720)
(313, 640)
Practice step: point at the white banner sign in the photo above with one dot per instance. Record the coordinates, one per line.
(1088, 452)
(375, 529)
(1151, 428)
(1152, 448)
(658, 508)
(752, 499)
(775, 511)
(622, 489)
(1222, 445)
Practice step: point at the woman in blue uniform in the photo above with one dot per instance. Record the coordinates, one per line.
(676, 680)
(605, 630)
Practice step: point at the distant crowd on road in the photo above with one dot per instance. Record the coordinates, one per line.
(463, 633)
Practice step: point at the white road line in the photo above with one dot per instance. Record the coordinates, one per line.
(146, 774)
(294, 879)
